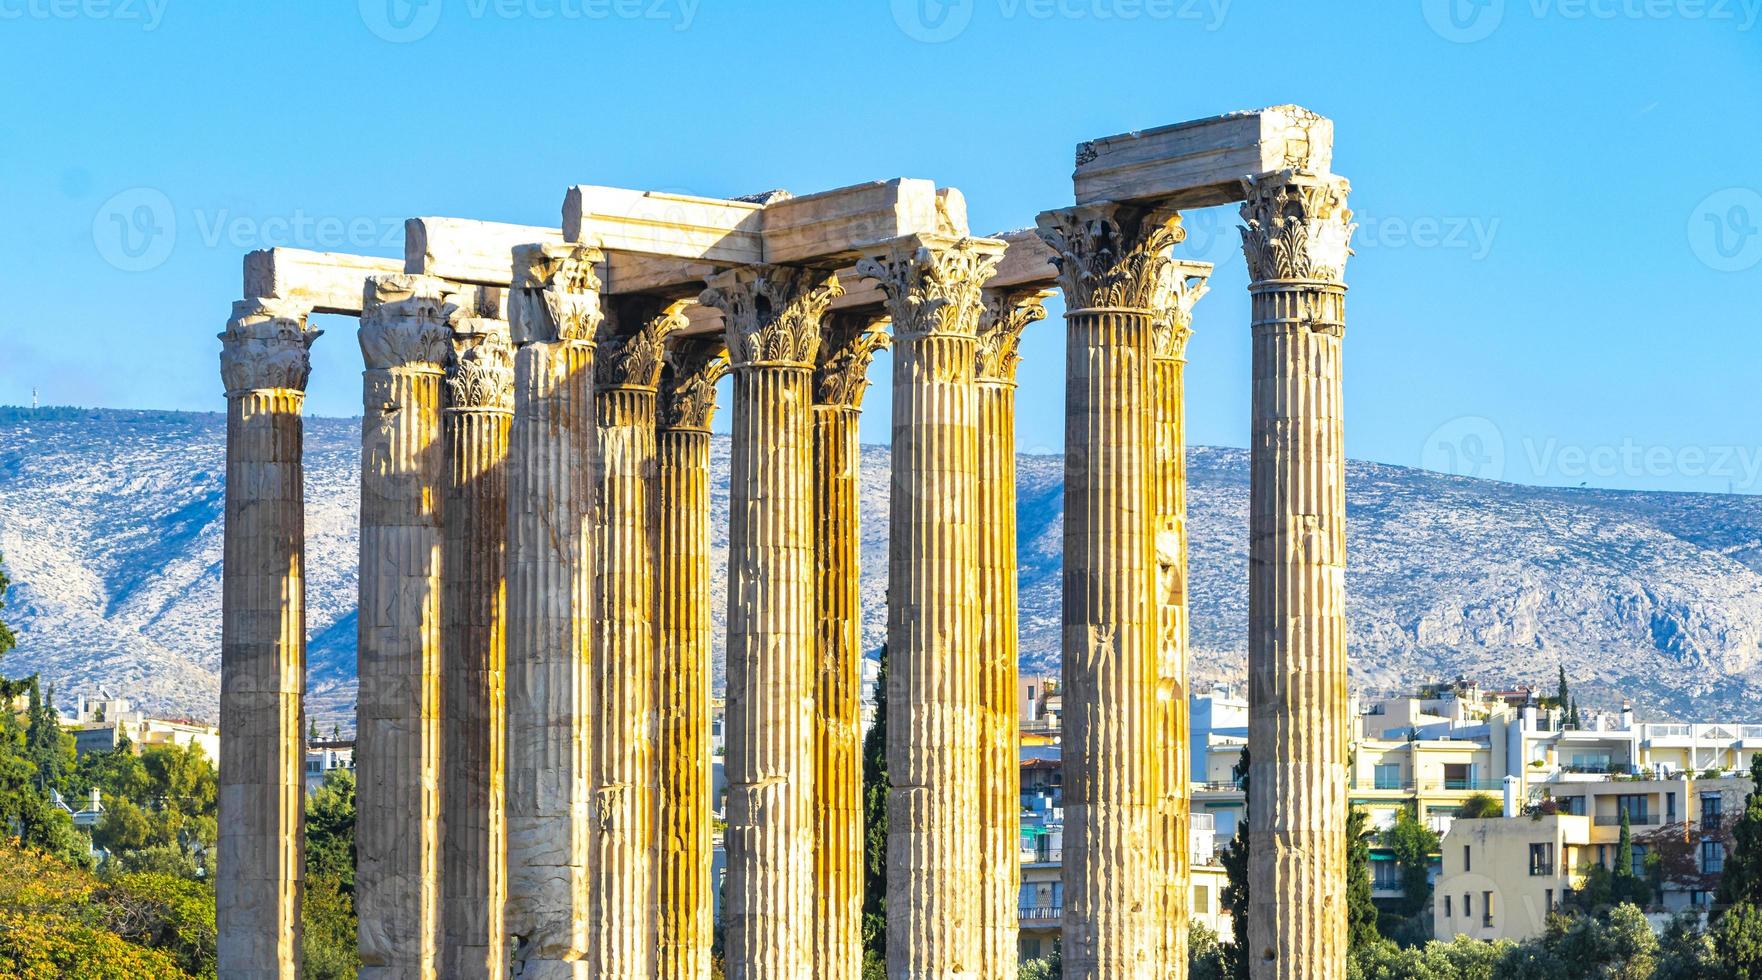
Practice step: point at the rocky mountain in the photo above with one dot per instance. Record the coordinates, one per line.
(110, 523)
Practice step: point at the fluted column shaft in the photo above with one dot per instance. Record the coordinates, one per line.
(264, 365)
(553, 445)
(773, 316)
(399, 715)
(480, 390)
(839, 385)
(683, 648)
(933, 293)
(628, 368)
(1296, 235)
(1110, 259)
(1172, 326)
(1000, 771)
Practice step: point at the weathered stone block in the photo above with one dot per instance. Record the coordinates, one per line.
(1202, 163)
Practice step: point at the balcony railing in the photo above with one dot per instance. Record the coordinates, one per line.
(1043, 855)
(1633, 820)
(1040, 913)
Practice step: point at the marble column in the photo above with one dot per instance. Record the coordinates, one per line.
(851, 340)
(1110, 258)
(627, 369)
(264, 365)
(474, 867)
(933, 295)
(405, 340)
(554, 315)
(773, 323)
(1007, 314)
(1182, 285)
(683, 648)
(1296, 236)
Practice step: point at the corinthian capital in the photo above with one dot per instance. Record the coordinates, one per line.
(555, 294)
(633, 342)
(932, 286)
(772, 312)
(405, 322)
(1110, 256)
(1171, 312)
(845, 354)
(1007, 313)
(480, 374)
(688, 385)
(1296, 226)
(266, 345)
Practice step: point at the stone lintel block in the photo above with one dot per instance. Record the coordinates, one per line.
(324, 282)
(835, 227)
(676, 225)
(468, 251)
(1026, 264)
(1202, 163)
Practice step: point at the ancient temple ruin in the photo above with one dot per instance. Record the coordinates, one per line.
(534, 648)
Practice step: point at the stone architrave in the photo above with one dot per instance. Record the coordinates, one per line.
(1008, 312)
(773, 316)
(264, 363)
(1110, 258)
(474, 870)
(683, 647)
(1296, 235)
(850, 343)
(554, 316)
(1182, 286)
(627, 366)
(406, 341)
(933, 289)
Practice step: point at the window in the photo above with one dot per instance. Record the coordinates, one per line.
(1201, 900)
(1386, 876)
(1388, 775)
(1670, 808)
(1542, 860)
(1548, 901)
(1457, 776)
(1700, 899)
(1712, 811)
(1448, 913)
(1639, 867)
(1467, 905)
(1634, 806)
(1712, 857)
(1487, 909)
(1467, 861)
(1574, 805)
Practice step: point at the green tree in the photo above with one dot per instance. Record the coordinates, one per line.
(1742, 879)
(1361, 910)
(1480, 806)
(1685, 952)
(328, 915)
(875, 789)
(330, 829)
(1205, 954)
(1234, 858)
(1737, 941)
(7, 639)
(1626, 884)
(1412, 843)
(1562, 697)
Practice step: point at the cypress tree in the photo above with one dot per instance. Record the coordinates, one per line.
(1235, 861)
(1742, 879)
(1361, 910)
(875, 788)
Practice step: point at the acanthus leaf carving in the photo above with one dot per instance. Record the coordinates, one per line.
(1296, 227)
(406, 322)
(850, 344)
(266, 345)
(772, 312)
(1110, 256)
(480, 374)
(633, 343)
(688, 384)
(935, 287)
(1182, 286)
(1007, 313)
(555, 294)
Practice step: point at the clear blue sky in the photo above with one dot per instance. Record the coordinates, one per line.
(1561, 200)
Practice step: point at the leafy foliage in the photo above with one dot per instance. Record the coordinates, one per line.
(58, 921)
(875, 787)
(1234, 858)
(1480, 806)
(1361, 909)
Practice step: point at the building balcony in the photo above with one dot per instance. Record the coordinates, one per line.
(1043, 855)
(1633, 820)
(1043, 914)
